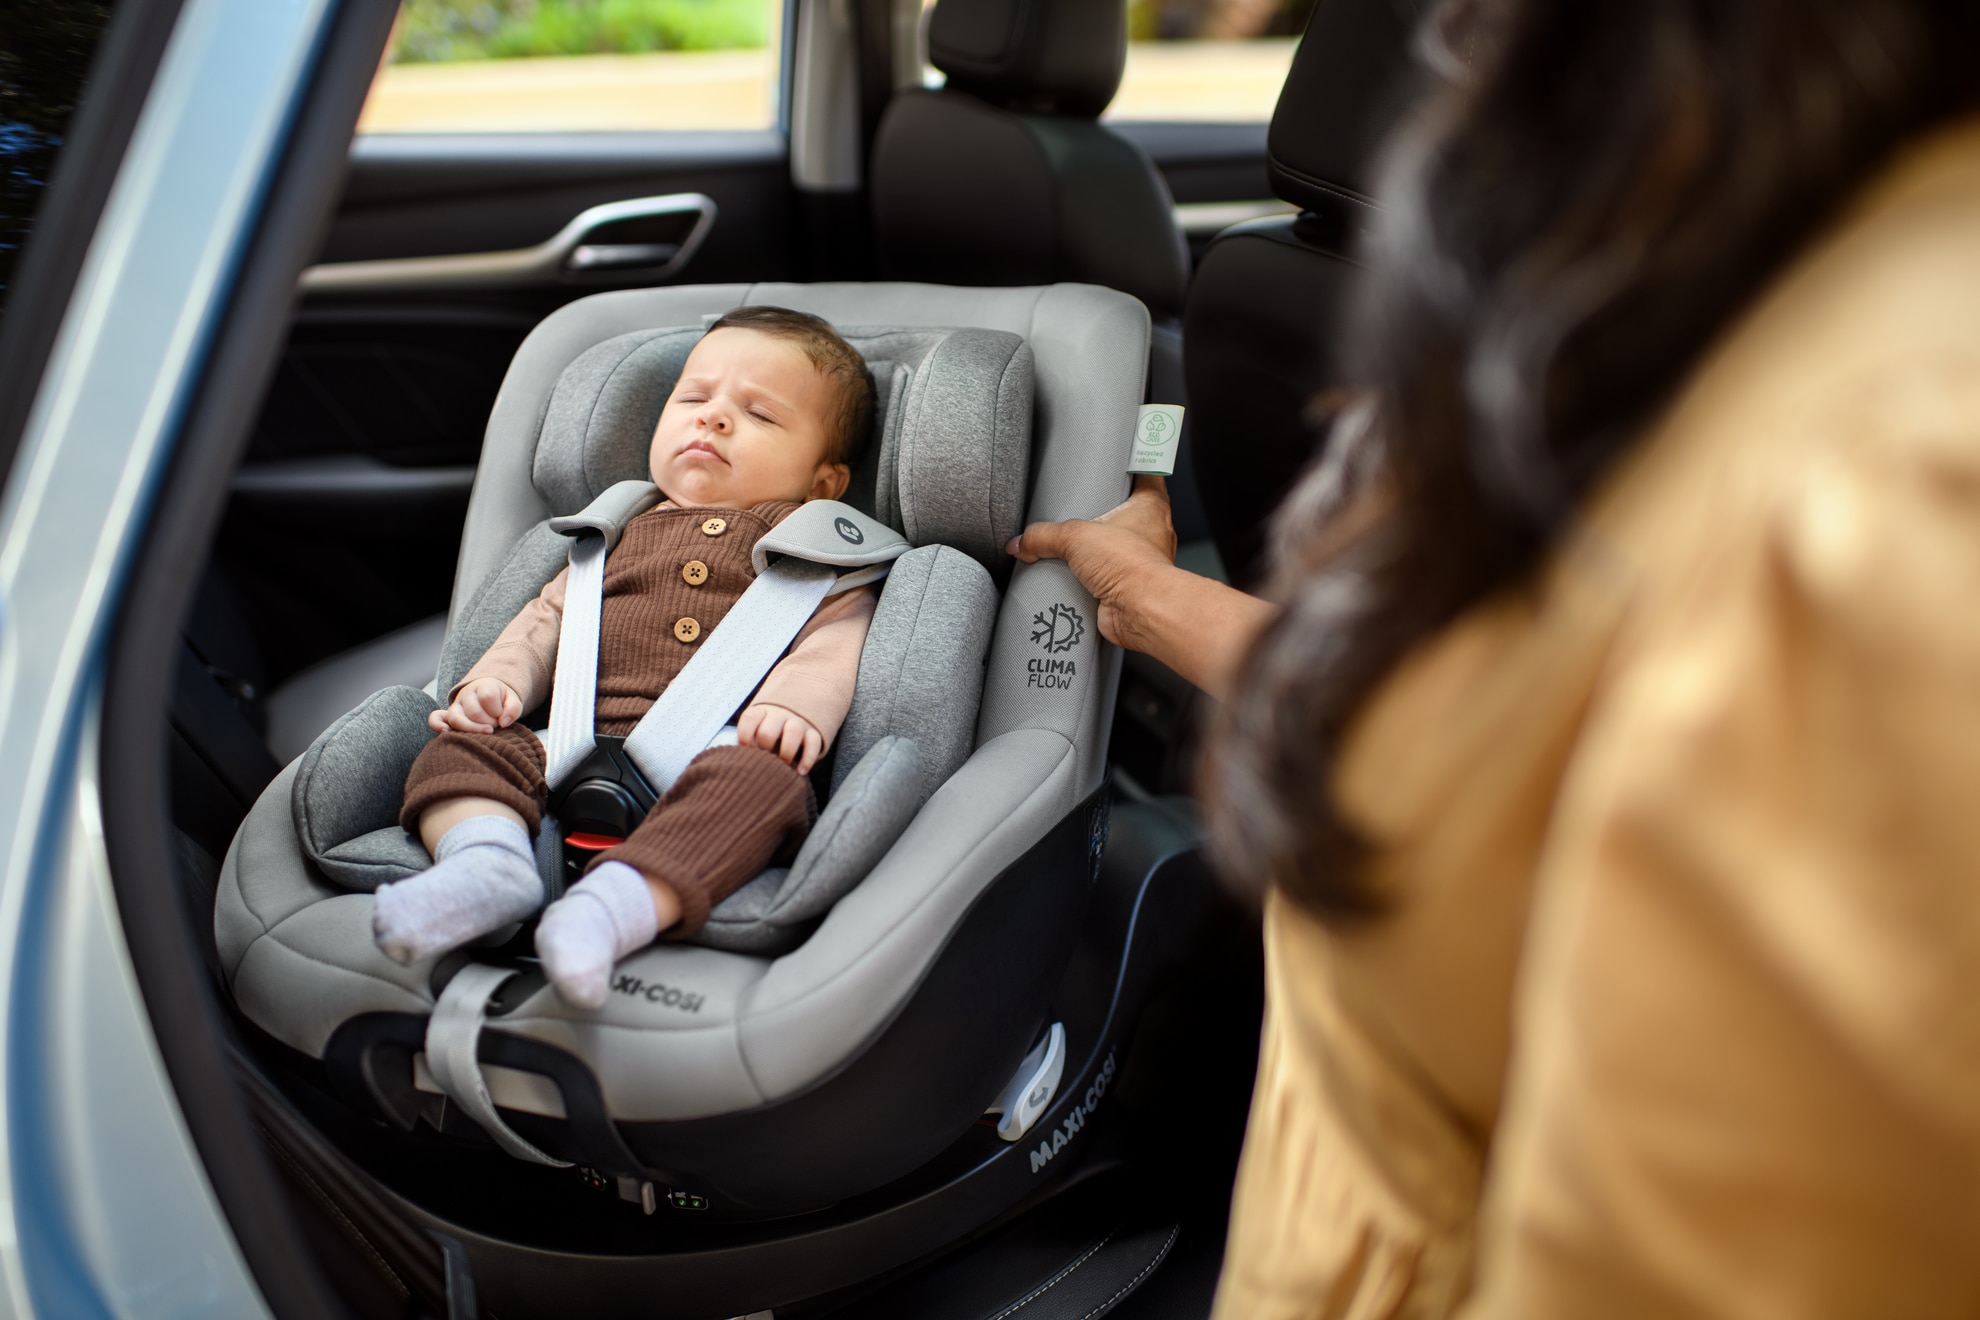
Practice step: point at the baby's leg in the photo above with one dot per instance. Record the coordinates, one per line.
(475, 799)
(731, 812)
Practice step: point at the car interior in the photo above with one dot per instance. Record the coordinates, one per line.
(1002, 1068)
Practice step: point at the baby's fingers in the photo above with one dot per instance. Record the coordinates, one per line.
(792, 742)
(814, 747)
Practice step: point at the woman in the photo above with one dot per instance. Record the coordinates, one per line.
(1610, 746)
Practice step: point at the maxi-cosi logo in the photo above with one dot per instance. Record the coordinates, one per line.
(1070, 1126)
(656, 993)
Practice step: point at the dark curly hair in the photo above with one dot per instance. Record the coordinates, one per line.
(1567, 223)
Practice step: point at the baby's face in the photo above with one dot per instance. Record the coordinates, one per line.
(745, 425)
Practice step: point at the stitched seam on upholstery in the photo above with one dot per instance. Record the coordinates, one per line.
(928, 895)
(996, 452)
(914, 631)
(907, 454)
(324, 962)
(1135, 1282)
(1052, 1282)
(584, 437)
(838, 828)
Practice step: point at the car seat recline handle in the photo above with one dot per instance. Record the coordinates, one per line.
(587, 250)
(1030, 1092)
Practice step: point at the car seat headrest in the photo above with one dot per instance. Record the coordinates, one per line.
(1041, 56)
(1352, 76)
(947, 462)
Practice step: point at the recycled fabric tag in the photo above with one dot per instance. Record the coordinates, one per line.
(1156, 432)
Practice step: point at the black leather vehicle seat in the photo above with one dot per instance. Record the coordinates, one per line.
(1262, 315)
(1006, 177)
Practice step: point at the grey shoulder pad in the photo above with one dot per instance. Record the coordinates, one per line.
(610, 512)
(828, 532)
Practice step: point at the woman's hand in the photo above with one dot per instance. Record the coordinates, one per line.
(483, 706)
(1116, 556)
(1127, 558)
(791, 736)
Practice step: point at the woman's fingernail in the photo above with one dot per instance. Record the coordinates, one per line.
(1011, 546)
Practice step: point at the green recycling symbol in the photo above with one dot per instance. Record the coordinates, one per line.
(1155, 429)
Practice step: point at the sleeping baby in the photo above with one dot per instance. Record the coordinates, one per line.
(770, 408)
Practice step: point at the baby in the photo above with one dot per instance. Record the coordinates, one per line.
(770, 409)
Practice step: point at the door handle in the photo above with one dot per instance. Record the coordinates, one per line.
(640, 240)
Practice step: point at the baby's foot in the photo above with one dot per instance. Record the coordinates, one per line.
(582, 936)
(483, 877)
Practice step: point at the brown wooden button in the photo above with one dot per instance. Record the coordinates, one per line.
(715, 527)
(694, 572)
(686, 629)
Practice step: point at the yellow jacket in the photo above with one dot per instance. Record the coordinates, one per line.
(1678, 1012)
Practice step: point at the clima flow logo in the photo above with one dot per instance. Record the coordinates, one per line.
(1056, 629)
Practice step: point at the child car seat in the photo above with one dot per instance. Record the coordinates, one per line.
(821, 1053)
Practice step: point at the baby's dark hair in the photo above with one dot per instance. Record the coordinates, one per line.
(837, 361)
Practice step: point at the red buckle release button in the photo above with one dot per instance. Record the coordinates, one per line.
(593, 842)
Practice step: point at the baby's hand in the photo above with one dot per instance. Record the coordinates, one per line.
(775, 729)
(483, 706)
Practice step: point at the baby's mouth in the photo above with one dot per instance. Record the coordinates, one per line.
(701, 449)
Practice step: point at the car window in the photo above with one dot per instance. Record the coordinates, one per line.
(1197, 61)
(468, 66)
(45, 49)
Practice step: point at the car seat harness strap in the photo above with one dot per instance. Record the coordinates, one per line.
(820, 550)
(453, 1037)
(726, 668)
(574, 692)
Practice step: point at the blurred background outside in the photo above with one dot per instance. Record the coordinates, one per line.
(550, 65)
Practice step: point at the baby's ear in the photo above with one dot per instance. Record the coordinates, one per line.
(830, 481)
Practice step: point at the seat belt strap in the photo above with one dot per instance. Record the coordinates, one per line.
(574, 691)
(453, 1035)
(729, 665)
(593, 530)
(826, 547)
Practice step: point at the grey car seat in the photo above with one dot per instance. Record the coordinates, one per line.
(852, 1044)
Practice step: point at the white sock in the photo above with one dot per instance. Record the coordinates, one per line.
(582, 936)
(483, 877)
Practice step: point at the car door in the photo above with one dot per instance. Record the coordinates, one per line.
(500, 169)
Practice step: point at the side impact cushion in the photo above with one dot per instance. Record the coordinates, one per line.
(774, 912)
(349, 784)
(921, 674)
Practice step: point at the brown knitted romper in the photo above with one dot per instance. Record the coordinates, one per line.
(734, 809)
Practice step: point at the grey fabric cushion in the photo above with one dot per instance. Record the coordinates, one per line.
(948, 459)
(774, 912)
(374, 859)
(535, 558)
(921, 674)
(351, 782)
(602, 413)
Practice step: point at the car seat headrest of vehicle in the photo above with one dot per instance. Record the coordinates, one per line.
(1045, 56)
(1350, 80)
(947, 462)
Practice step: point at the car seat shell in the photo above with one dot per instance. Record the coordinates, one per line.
(763, 1033)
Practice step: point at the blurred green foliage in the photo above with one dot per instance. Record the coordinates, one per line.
(438, 30)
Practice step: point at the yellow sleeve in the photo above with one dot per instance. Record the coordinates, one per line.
(1746, 1078)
